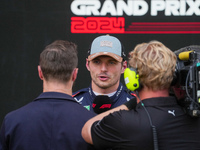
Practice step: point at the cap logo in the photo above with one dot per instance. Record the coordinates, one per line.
(106, 43)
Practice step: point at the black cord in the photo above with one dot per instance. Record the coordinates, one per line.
(186, 84)
(186, 87)
(155, 137)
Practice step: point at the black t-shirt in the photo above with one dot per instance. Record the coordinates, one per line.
(131, 130)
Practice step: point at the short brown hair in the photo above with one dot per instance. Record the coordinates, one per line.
(58, 60)
(155, 64)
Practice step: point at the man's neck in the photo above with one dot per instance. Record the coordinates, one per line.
(57, 87)
(146, 93)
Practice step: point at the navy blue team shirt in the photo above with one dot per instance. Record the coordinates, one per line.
(86, 97)
(53, 121)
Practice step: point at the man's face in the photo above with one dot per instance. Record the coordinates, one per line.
(105, 73)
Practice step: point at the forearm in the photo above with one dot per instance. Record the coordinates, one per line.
(86, 130)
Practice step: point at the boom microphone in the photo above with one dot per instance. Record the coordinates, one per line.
(101, 104)
(184, 55)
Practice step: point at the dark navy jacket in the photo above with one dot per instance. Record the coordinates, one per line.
(86, 96)
(53, 121)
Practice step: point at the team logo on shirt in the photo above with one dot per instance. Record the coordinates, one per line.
(79, 100)
(87, 107)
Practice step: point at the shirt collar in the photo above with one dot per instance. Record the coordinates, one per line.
(159, 101)
(54, 95)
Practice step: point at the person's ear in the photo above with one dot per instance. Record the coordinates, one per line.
(74, 74)
(124, 66)
(40, 73)
(87, 65)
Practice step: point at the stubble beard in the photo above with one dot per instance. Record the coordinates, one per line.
(104, 85)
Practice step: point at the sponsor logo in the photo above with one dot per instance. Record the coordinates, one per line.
(93, 105)
(79, 100)
(127, 99)
(87, 107)
(171, 112)
(106, 44)
(105, 106)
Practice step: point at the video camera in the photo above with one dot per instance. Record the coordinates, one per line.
(187, 79)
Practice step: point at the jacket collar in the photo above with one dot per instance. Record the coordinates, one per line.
(113, 98)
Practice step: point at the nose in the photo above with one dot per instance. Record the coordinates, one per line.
(103, 67)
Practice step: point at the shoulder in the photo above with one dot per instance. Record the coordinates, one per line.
(80, 92)
(122, 118)
(114, 122)
(18, 114)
